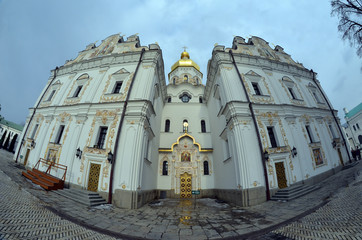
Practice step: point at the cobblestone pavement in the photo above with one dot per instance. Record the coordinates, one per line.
(341, 218)
(174, 219)
(23, 216)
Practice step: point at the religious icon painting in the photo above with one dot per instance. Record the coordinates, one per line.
(317, 156)
(185, 156)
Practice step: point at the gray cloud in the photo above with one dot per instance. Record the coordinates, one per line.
(36, 36)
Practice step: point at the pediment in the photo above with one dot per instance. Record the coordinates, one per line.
(83, 76)
(121, 71)
(252, 73)
(57, 83)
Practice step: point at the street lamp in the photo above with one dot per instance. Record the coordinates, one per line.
(110, 157)
(334, 144)
(266, 155)
(294, 152)
(78, 154)
(33, 143)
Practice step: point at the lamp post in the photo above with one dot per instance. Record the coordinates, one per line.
(334, 144)
(78, 154)
(33, 143)
(110, 157)
(294, 152)
(266, 155)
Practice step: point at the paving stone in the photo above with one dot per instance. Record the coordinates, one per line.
(24, 214)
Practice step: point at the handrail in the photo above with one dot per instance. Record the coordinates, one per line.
(52, 164)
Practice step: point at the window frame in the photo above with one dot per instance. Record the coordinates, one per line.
(183, 98)
(291, 91)
(59, 135)
(206, 167)
(102, 135)
(77, 91)
(34, 131)
(203, 126)
(165, 168)
(167, 125)
(51, 95)
(273, 138)
(115, 88)
(310, 134)
(256, 88)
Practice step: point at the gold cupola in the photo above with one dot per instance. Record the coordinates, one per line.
(185, 61)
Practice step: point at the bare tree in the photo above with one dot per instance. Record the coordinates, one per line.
(350, 21)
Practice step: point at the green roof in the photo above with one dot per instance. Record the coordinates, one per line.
(354, 111)
(11, 124)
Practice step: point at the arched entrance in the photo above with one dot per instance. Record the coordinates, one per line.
(3, 139)
(12, 144)
(185, 185)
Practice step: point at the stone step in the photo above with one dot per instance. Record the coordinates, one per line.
(82, 196)
(293, 188)
(350, 165)
(287, 196)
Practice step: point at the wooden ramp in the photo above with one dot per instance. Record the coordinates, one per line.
(44, 179)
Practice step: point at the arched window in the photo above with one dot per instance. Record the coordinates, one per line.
(185, 126)
(206, 168)
(360, 139)
(186, 78)
(197, 81)
(167, 125)
(185, 98)
(174, 81)
(169, 99)
(200, 99)
(203, 126)
(165, 168)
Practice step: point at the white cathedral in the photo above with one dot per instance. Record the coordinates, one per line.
(260, 123)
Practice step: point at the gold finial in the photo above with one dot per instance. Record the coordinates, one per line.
(216, 44)
(184, 54)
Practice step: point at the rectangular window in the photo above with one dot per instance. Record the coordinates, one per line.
(310, 135)
(316, 97)
(332, 131)
(102, 137)
(34, 131)
(77, 91)
(272, 138)
(203, 126)
(117, 87)
(51, 95)
(292, 93)
(59, 135)
(227, 149)
(256, 88)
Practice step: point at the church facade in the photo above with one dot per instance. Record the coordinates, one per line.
(260, 123)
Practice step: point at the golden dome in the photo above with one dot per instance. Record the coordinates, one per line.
(185, 61)
(185, 54)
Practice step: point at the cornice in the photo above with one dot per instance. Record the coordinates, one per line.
(98, 62)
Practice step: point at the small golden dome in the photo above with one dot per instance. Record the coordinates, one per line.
(185, 61)
(184, 55)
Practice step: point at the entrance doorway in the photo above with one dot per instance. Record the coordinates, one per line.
(93, 178)
(186, 185)
(282, 180)
(340, 156)
(26, 156)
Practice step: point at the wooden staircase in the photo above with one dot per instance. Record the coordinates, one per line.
(44, 179)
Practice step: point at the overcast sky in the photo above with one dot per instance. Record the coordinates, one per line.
(37, 36)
